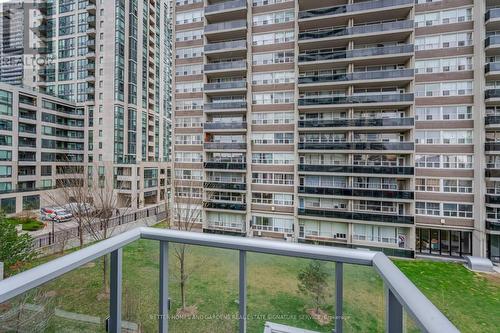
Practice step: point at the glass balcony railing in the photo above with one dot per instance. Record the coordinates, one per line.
(228, 25)
(225, 165)
(356, 30)
(225, 186)
(374, 169)
(46, 296)
(356, 7)
(225, 205)
(357, 99)
(225, 65)
(225, 106)
(362, 216)
(358, 76)
(357, 192)
(223, 46)
(370, 122)
(492, 199)
(493, 173)
(226, 5)
(491, 93)
(224, 126)
(356, 145)
(492, 67)
(493, 13)
(358, 53)
(492, 146)
(225, 145)
(225, 85)
(492, 41)
(492, 120)
(493, 225)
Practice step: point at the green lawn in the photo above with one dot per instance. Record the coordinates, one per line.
(27, 223)
(470, 300)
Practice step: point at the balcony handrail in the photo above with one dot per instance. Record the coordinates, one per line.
(401, 294)
(360, 6)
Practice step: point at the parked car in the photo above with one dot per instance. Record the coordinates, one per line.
(56, 214)
(77, 208)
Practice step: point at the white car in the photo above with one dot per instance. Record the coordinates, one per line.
(76, 208)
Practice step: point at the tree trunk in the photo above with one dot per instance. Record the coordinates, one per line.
(105, 274)
(80, 234)
(183, 282)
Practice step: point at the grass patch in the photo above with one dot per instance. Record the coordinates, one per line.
(470, 300)
(27, 223)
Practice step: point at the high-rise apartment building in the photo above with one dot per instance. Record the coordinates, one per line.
(12, 53)
(349, 123)
(113, 60)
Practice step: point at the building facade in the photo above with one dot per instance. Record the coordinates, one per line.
(43, 147)
(111, 59)
(350, 123)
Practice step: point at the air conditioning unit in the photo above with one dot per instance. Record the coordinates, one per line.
(259, 233)
(443, 221)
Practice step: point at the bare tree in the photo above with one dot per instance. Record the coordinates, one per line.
(186, 215)
(96, 207)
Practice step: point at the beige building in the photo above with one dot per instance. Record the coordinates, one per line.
(348, 123)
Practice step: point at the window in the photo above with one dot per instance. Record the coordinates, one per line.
(189, 17)
(427, 185)
(273, 38)
(279, 57)
(457, 185)
(282, 224)
(428, 208)
(443, 89)
(31, 202)
(273, 98)
(272, 178)
(189, 52)
(187, 35)
(280, 199)
(8, 205)
(272, 138)
(443, 65)
(457, 210)
(273, 158)
(273, 18)
(5, 103)
(456, 39)
(443, 17)
(270, 118)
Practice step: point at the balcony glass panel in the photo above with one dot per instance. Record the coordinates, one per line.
(357, 145)
(221, 126)
(226, 26)
(348, 215)
(361, 6)
(357, 169)
(225, 165)
(226, 5)
(365, 52)
(225, 65)
(358, 99)
(374, 75)
(225, 85)
(369, 122)
(356, 30)
(492, 40)
(225, 105)
(237, 44)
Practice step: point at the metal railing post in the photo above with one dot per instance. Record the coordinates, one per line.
(393, 312)
(243, 292)
(339, 296)
(115, 299)
(163, 309)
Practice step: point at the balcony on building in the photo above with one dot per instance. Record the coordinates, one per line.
(379, 9)
(398, 76)
(231, 30)
(492, 19)
(222, 165)
(226, 67)
(492, 95)
(328, 37)
(361, 100)
(359, 169)
(223, 106)
(402, 298)
(222, 87)
(225, 126)
(355, 215)
(227, 49)
(492, 71)
(233, 206)
(492, 45)
(225, 141)
(357, 192)
(394, 54)
(217, 11)
(361, 146)
(225, 227)
(241, 186)
(357, 123)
